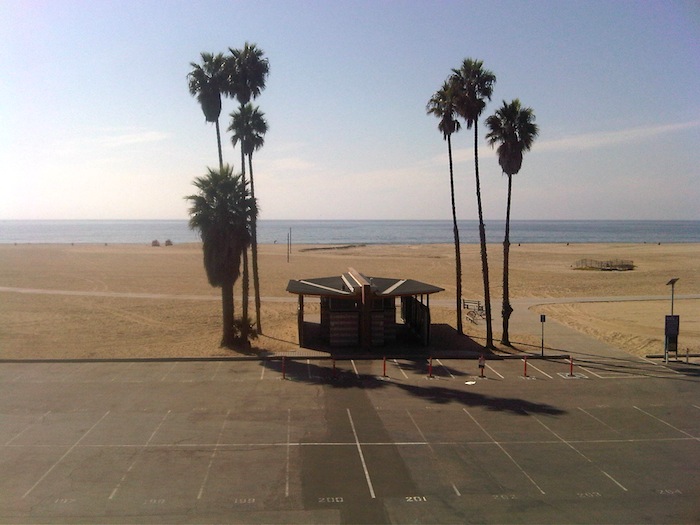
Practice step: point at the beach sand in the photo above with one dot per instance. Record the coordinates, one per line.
(121, 301)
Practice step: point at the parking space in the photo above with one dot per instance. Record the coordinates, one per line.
(232, 441)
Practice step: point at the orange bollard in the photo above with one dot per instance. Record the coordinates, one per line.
(482, 365)
(571, 366)
(384, 372)
(525, 367)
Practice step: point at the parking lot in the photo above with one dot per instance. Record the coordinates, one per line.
(350, 441)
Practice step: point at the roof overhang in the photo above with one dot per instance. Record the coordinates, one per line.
(350, 285)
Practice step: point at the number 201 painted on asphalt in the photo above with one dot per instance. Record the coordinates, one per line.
(416, 499)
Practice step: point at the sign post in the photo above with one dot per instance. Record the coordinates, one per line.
(672, 322)
(672, 328)
(542, 320)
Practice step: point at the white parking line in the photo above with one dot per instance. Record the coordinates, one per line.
(168, 372)
(64, 455)
(262, 372)
(666, 423)
(26, 428)
(504, 451)
(598, 420)
(289, 431)
(216, 371)
(420, 432)
(590, 372)
(568, 444)
(133, 463)
(494, 371)
(362, 457)
(401, 369)
(540, 371)
(355, 368)
(213, 455)
(446, 369)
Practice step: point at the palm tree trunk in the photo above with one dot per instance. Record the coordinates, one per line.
(246, 277)
(507, 309)
(455, 230)
(244, 308)
(254, 249)
(482, 238)
(218, 142)
(229, 335)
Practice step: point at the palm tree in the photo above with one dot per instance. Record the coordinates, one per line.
(249, 127)
(442, 105)
(513, 128)
(474, 85)
(207, 82)
(247, 71)
(222, 212)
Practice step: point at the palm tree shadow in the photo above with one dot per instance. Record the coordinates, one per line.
(339, 376)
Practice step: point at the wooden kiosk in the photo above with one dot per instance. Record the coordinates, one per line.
(360, 311)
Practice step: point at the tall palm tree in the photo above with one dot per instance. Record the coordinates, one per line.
(248, 127)
(247, 71)
(474, 86)
(207, 82)
(222, 211)
(513, 128)
(442, 105)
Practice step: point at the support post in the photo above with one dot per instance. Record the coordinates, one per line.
(571, 366)
(525, 367)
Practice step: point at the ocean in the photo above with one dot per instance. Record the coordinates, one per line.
(356, 232)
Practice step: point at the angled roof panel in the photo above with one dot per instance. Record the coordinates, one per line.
(381, 286)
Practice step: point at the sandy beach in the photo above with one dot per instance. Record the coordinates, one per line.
(120, 301)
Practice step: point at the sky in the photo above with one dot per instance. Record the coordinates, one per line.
(96, 120)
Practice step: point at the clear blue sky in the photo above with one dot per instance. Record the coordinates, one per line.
(96, 121)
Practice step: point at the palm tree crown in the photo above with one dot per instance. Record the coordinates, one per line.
(513, 128)
(474, 86)
(222, 212)
(247, 70)
(443, 105)
(207, 82)
(248, 126)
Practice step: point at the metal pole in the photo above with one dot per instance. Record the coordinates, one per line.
(542, 320)
(673, 287)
